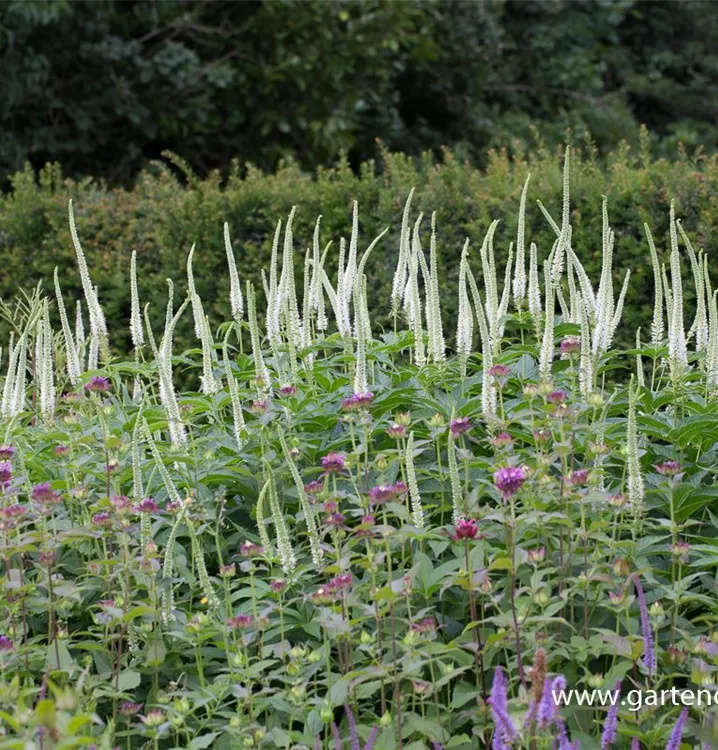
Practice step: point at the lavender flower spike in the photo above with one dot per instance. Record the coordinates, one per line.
(505, 730)
(674, 741)
(649, 653)
(371, 739)
(635, 744)
(337, 738)
(608, 736)
(353, 736)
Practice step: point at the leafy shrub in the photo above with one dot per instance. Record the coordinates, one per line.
(352, 535)
(162, 217)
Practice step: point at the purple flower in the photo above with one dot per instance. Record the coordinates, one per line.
(505, 730)
(649, 654)
(257, 407)
(459, 426)
(608, 736)
(6, 452)
(250, 549)
(61, 450)
(333, 463)
(509, 480)
(571, 345)
(557, 397)
(382, 493)
(578, 477)
(239, 622)
(5, 472)
(674, 741)
(128, 708)
(502, 440)
(396, 431)
(353, 736)
(43, 493)
(635, 744)
(668, 468)
(98, 383)
(315, 487)
(287, 390)
(148, 505)
(101, 519)
(357, 401)
(6, 644)
(466, 528)
(499, 371)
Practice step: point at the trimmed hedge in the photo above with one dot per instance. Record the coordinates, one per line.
(169, 209)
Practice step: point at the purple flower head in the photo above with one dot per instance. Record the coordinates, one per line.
(288, 390)
(571, 345)
(250, 549)
(337, 520)
(121, 503)
(509, 480)
(396, 431)
(101, 519)
(668, 468)
(635, 744)
(239, 622)
(649, 654)
(6, 452)
(6, 644)
(536, 555)
(314, 488)
(466, 528)
(357, 401)
(228, 571)
(5, 472)
(382, 493)
(502, 440)
(578, 478)
(148, 505)
(278, 585)
(43, 493)
(353, 736)
(61, 450)
(557, 397)
(459, 426)
(674, 741)
(98, 383)
(13, 511)
(333, 463)
(128, 708)
(499, 371)
(608, 736)
(505, 732)
(257, 407)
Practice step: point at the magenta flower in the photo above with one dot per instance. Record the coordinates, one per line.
(278, 585)
(6, 644)
(148, 505)
(121, 503)
(98, 383)
(509, 480)
(333, 463)
(382, 493)
(466, 528)
(396, 431)
(13, 511)
(357, 401)
(499, 371)
(459, 426)
(537, 555)
(571, 345)
(287, 390)
(557, 397)
(43, 493)
(6, 452)
(5, 472)
(425, 626)
(128, 708)
(228, 571)
(314, 488)
(239, 622)
(257, 407)
(101, 519)
(578, 478)
(61, 450)
(502, 440)
(668, 468)
(250, 549)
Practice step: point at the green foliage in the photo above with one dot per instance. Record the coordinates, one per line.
(103, 86)
(164, 215)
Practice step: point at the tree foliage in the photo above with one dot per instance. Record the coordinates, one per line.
(105, 86)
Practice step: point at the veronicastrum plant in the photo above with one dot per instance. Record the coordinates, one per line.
(348, 537)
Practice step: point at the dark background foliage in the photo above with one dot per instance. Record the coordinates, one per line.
(104, 86)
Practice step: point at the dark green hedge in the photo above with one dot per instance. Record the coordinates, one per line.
(168, 210)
